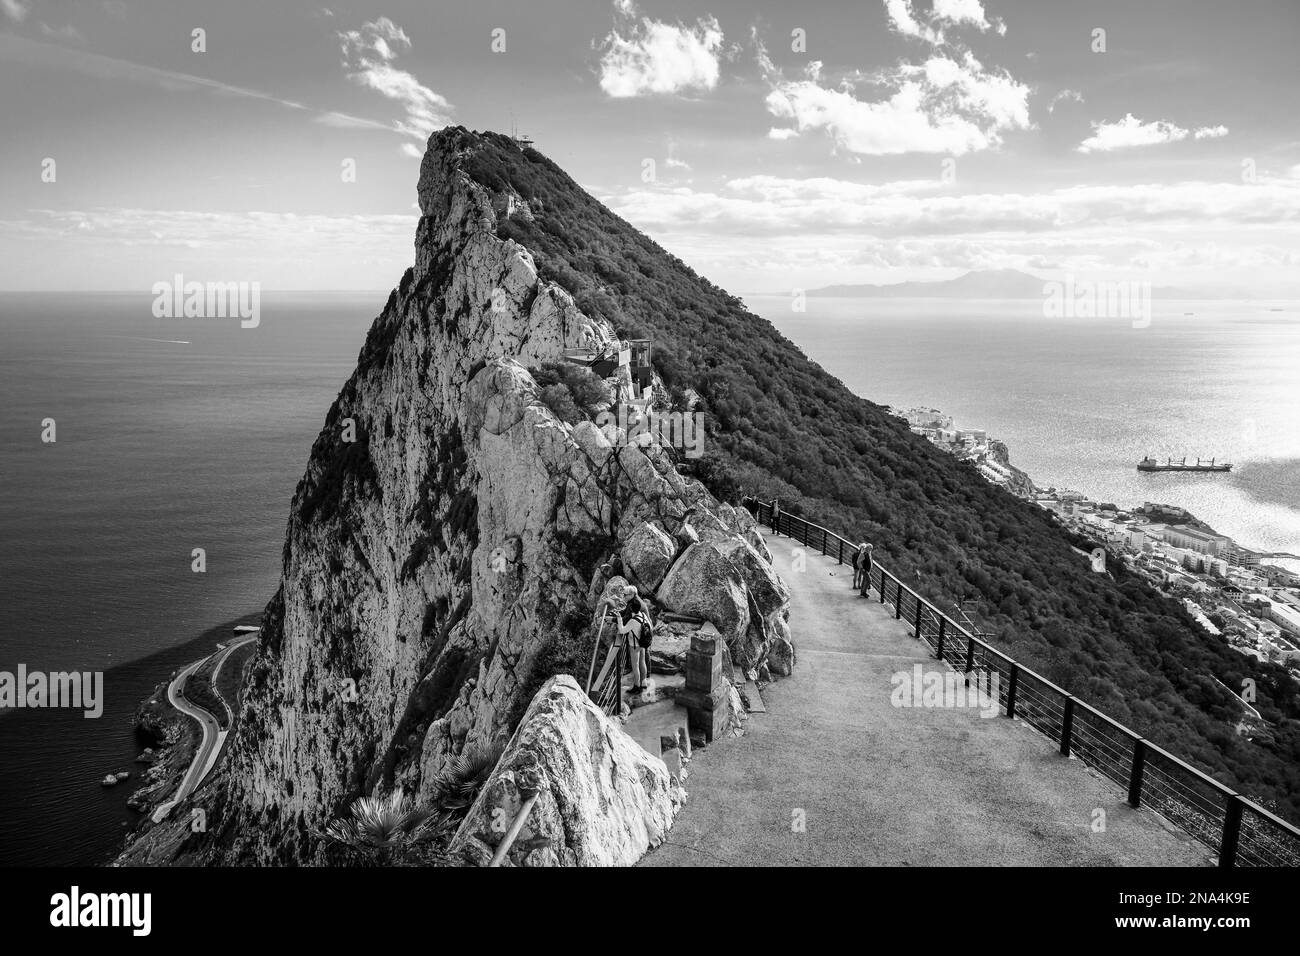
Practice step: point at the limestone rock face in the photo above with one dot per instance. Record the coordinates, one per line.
(647, 554)
(450, 537)
(602, 800)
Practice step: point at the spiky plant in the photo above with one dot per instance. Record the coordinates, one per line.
(457, 784)
(381, 827)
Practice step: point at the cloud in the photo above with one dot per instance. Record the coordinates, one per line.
(964, 12)
(165, 228)
(1064, 96)
(948, 104)
(754, 229)
(368, 55)
(14, 10)
(21, 50)
(68, 32)
(905, 20)
(659, 58)
(771, 206)
(1131, 132)
(35, 53)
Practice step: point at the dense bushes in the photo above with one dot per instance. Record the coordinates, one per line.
(570, 391)
(783, 427)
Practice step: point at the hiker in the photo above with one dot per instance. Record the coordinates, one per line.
(776, 516)
(634, 626)
(862, 569)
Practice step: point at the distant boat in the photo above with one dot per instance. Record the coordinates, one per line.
(1150, 464)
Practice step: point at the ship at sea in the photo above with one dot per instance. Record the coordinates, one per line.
(1150, 464)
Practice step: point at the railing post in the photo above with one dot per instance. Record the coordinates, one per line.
(1067, 725)
(1011, 690)
(1231, 832)
(1135, 775)
(898, 602)
(939, 650)
(806, 528)
(841, 557)
(882, 585)
(918, 619)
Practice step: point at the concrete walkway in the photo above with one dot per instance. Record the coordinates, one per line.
(877, 785)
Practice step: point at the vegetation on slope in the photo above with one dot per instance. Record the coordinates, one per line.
(779, 425)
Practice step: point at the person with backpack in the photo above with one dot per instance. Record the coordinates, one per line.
(634, 627)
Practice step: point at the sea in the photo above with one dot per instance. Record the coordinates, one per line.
(172, 435)
(1080, 401)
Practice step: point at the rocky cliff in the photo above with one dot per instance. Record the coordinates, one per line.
(450, 538)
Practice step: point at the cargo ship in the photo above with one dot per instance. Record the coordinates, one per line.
(1150, 464)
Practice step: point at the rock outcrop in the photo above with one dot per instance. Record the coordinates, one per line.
(450, 538)
(601, 799)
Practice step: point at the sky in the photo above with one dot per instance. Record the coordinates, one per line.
(772, 146)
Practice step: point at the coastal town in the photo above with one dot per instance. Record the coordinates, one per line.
(1233, 592)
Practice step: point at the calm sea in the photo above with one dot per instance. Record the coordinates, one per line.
(181, 434)
(1080, 401)
(171, 435)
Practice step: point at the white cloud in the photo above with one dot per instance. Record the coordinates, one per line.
(907, 21)
(1064, 96)
(756, 228)
(1210, 132)
(962, 11)
(1130, 132)
(410, 149)
(14, 10)
(770, 206)
(368, 55)
(943, 105)
(904, 21)
(659, 58)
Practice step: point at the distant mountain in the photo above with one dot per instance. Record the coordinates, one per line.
(994, 284)
(990, 284)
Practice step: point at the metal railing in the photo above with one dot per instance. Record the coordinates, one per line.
(1239, 830)
(606, 688)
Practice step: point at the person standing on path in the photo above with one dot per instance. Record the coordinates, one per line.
(776, 516)
(635, 628)
(862, 569)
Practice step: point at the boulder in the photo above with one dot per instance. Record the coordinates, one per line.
(647, 555)
(704, 583)
(602, 799)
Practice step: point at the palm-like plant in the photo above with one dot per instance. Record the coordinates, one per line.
(458, 783)
(379, 827)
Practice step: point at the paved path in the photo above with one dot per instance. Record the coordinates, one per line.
(878, 785)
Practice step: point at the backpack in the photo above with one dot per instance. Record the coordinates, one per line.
(643, 619)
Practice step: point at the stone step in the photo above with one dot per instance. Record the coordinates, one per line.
(753, 700)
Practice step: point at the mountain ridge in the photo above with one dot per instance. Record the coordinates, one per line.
(391, 538)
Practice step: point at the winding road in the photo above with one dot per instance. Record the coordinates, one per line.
(209, 749)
